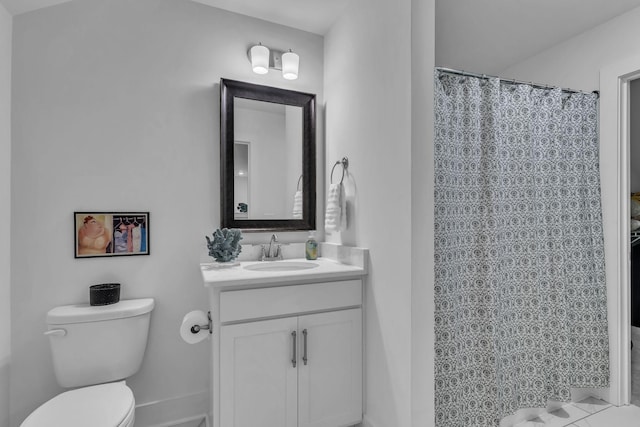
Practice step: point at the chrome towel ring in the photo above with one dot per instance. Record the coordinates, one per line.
(345, 165)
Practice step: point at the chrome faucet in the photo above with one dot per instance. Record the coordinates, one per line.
(274, 239)
(273, 251)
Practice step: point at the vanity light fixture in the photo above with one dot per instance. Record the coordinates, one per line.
(259, 56)
(290, 62)
(262, 58)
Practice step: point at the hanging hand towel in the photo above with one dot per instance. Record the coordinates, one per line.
(335, 218)
(297, 205)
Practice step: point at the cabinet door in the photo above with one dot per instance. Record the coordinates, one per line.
(258, 382)
(330, 381)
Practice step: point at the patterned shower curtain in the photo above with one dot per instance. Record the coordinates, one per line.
(520, 297)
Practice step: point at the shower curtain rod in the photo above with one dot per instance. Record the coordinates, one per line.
(508, 81)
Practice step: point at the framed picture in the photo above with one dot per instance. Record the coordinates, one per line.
(100, 234)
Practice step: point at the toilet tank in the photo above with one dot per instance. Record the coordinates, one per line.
(98, 344)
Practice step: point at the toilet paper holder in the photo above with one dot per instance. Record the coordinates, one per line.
(197, 328)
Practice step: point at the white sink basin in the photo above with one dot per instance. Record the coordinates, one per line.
(281, 266)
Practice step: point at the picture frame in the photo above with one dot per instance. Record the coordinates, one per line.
(111, 234)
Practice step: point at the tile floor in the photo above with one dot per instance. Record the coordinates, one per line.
(593, 412)
(590, 412)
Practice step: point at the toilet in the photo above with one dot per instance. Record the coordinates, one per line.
(94, 348)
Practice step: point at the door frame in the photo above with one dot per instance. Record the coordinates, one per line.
(615, 88)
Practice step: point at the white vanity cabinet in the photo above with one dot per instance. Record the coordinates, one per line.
(287, 346)
(296, 371)
(258, 386)
(288, 350)
(330, 375)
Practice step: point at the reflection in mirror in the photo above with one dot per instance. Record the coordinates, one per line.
(241, 179)
(267, 158)
(267, 186)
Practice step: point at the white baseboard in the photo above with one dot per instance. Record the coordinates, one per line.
(195, 421)
(366, 422)
(183, 411)
(579, 394)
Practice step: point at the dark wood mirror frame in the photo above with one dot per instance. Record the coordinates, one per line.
(229, 89)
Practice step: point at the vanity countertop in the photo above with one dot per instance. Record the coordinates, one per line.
(242, 275)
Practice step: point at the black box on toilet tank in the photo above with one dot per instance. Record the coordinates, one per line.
(104, 294)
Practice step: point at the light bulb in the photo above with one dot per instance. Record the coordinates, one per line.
(260, 59)
(290, 62)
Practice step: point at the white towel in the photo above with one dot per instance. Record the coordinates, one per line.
(297, 205)
(335, 218)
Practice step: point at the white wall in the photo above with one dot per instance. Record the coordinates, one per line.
(116, 107)
(634, 123)
(576, 63)
(368, 119)
(422, 215)
(5, 212)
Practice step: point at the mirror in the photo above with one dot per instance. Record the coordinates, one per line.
(267, 158)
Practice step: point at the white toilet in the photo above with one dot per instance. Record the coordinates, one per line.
(94, 348)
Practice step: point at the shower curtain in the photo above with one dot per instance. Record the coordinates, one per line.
(520, 296)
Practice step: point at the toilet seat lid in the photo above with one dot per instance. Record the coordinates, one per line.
(104, 405)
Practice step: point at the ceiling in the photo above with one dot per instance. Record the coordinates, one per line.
(484, 36)
(487, 36)
(314, 16)
(16, 7)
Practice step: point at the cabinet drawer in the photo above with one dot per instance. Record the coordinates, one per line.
(283, 300)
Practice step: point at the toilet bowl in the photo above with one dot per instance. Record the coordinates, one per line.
(94, 349)
(104, 405)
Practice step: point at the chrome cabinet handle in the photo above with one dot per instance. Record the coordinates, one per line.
(293, 361)
(304, 355)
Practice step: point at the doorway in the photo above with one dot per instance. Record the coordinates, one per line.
(634, 187)
(615, 164)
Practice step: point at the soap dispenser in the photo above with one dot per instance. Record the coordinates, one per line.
(311, 247)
